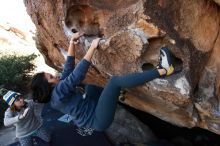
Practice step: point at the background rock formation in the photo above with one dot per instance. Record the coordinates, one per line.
(133, 32)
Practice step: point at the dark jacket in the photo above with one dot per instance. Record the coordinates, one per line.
(68, 99)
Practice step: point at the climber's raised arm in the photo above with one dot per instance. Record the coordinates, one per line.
(74, 40)
(91, 50)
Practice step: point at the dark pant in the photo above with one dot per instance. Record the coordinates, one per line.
(107, 103)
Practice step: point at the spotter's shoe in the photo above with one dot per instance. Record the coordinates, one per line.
(165, 61)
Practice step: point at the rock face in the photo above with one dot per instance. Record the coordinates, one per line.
(217, 1)
(133, 32)
(126, 128)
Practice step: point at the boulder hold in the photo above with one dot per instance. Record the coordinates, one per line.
(132, 34)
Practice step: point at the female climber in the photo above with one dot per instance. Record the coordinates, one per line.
(91, 107)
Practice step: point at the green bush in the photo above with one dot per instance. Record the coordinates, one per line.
(15, 70)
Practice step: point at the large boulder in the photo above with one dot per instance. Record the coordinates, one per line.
(217, 1)
(133, 32)
(126, 128)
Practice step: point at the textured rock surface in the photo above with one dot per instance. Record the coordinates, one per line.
(128, 129)
(133, 33)
(217, 1)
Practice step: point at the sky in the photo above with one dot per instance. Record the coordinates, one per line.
(14, 12)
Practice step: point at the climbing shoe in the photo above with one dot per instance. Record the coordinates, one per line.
(165, 61)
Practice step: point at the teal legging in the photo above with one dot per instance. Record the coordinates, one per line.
(107, 103)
